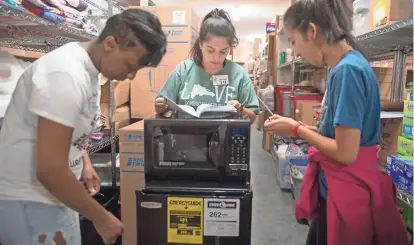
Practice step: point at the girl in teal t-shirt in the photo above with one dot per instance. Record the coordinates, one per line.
(208, 77)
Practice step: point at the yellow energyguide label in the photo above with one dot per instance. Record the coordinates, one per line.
(185, 220)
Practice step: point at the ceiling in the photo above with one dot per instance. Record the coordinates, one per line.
(249, 16)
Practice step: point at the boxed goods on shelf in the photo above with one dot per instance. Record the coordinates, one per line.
(407, 128)
(407, 215)
(411, 90)
(401, 171)
(386, 12)
(390, 130)
(408, 108)
(405, 147)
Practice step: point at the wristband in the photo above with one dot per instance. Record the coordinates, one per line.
(295, 130)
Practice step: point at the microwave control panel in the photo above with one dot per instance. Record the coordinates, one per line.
(238, 162)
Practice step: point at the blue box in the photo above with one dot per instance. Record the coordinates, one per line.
(401, 171)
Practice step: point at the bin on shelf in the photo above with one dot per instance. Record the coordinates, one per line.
(297, 172)
(108, 197)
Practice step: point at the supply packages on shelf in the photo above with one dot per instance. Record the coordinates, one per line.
(406, 208)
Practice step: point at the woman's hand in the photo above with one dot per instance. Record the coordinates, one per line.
(236, 104)
(279, 125)
(160, 106)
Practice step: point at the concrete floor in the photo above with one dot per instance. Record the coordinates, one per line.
(273, 222)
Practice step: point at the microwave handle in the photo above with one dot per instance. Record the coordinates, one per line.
(222, 134)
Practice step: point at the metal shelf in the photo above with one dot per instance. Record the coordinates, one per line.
(397, 36)
(106, 141)
(24, 23)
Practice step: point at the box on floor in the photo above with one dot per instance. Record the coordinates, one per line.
(131, 148)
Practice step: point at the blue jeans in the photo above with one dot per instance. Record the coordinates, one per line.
(33, 223)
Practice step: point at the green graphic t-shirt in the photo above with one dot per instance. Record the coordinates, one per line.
(190, 85)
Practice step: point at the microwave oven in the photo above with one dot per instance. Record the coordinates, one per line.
(200, 149)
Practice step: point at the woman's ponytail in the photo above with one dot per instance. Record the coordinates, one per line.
(216, 23)
(196, 53)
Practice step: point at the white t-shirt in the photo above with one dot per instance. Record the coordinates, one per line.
(63, 87)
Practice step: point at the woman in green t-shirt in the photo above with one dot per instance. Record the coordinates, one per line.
(208, 77)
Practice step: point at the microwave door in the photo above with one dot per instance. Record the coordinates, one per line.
(217, 146)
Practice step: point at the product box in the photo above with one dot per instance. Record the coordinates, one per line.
(407, 128)
(386, 12)
(401, 171)
(390, 130)
(181, 25)
(408, 108)
(121, 92)
(131, 148)
(405, 147)
(122, 115)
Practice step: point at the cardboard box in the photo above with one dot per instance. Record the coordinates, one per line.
(408, 108)
(401, 171)
(181, 26)
(386, 12)
(391, 129)
(121, 92)
(260, 120)
(407, 128)
(405, 147)
(305, 111)
(122, 115)
(131, 147)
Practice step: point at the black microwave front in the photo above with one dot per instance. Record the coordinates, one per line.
(202, 149)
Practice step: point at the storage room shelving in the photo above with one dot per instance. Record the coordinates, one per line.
(393, 42)
(22, 31)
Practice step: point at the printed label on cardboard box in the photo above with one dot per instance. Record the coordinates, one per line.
(179, 17)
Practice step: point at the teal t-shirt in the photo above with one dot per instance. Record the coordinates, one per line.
(190, 85)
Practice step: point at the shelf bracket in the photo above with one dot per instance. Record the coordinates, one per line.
(398, 72)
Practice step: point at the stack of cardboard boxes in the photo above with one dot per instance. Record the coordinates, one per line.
(400, 165)
(181, 26)
(122, 113)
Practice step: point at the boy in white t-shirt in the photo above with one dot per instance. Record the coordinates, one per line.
(52, 113)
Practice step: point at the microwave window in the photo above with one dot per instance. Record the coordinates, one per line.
(183, 148)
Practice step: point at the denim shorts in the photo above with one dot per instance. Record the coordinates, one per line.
(33, 223)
